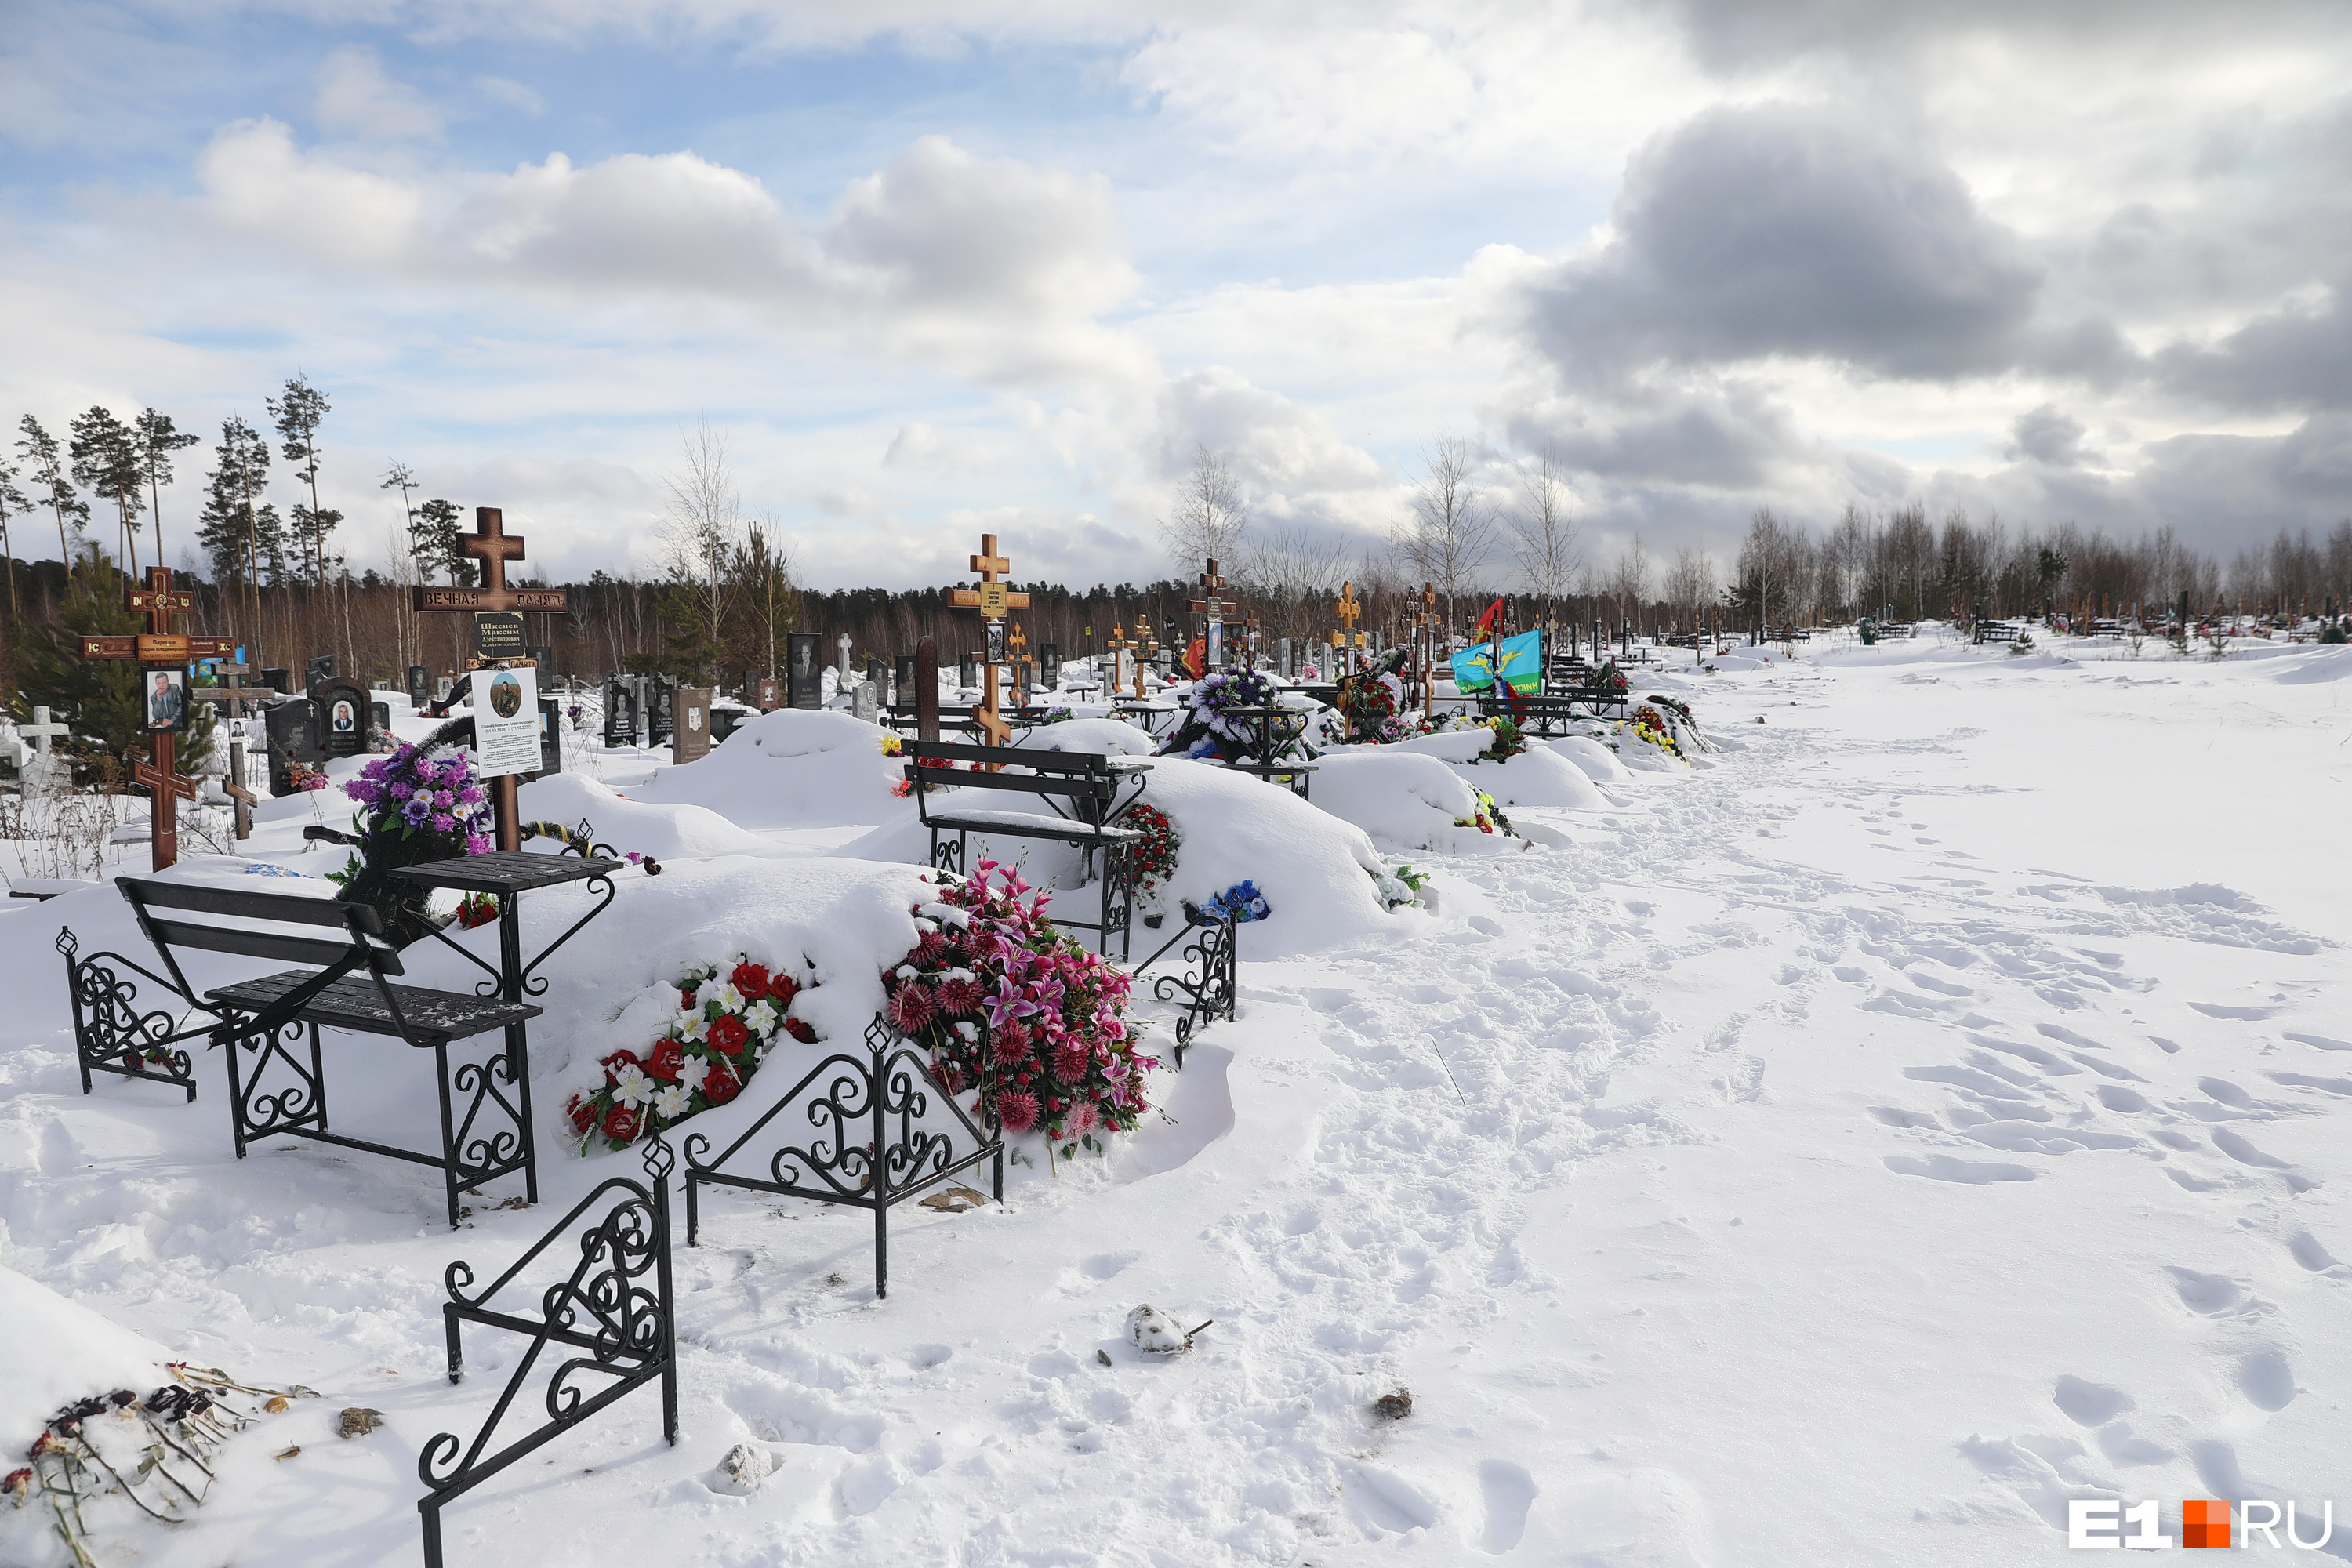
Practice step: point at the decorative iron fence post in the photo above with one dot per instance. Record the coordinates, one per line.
(110, 1033)
(895, 1081)
(631, 1338)
(1211, 991)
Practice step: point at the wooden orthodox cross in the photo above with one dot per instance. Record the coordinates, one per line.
(992, 598)
(236, 697)
(1347, 609)
(1016, 643)
(159, 648)
(491, 544)
(1428, 619)
(1213, 609)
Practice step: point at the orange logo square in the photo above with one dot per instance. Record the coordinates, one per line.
(2204, 1523)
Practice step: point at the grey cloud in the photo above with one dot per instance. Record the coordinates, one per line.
(2047, 436)
(2299, 357)
(1737, 35)
(1733, 439)
(1773, 230)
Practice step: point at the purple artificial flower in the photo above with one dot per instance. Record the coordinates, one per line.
(416, 811)
(441, 822)
(1008, 1004)
(477, 844)
(399, 789)
(471, 794)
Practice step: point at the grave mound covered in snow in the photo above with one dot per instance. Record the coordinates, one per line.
(1315, 870)
(791, 768)
(663, 830)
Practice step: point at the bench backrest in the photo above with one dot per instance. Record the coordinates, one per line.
(357, 944)
(1083, 777)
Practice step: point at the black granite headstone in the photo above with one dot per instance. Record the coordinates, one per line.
(544, 658)
(878, 671)
(278, 680)
(805, 670)
(292, 739)
(380, 722)
(904, 690)
(658, 693)
(342, 718)
(550, 734)
(724, 722)
(321, 668)
(968, 672)
(1049, 666)
(420, 686)
(620, 710)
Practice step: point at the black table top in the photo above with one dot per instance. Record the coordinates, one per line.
(506, 871)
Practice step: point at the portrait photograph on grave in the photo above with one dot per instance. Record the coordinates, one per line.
(167, 699)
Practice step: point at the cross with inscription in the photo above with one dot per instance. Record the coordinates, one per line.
(491, 544)
(992, 598)
(161, 648)
(1016, 643)
(1215, 610)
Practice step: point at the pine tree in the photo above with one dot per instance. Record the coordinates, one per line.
(232, 527)
(45, 466)
(299, 414)
(432, 535)
(12, 504)
(106, 458)
(158, 438)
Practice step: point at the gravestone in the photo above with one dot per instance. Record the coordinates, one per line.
(620, 710)
(968, 672)
(498, 635)
(660, 704)
(321, 668)
(1286, 659)
(725, 721)
(865, 702)
(544, 658)
(877, 672)
(903, 683)
(550, 735)
(1049, 666)
(379, 723)
(926, 690)
(420, 686)
(805, 671)
(769, 695)
(690, 742)
(278, 680)
(341, 717)
(292, 739)
(442, 686)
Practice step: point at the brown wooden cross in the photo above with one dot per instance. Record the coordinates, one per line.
(491, 544)
(992, 598)
(1213, 611)
(160, 647)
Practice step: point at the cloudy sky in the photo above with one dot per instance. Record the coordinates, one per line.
(1002, 264)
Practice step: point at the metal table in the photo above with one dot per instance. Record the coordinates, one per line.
(504, 875)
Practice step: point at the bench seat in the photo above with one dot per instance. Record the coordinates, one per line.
(357, 1004)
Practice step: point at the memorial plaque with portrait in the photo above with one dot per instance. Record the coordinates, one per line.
(167, 699)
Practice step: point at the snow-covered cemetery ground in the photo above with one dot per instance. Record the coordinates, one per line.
(1846, 1144)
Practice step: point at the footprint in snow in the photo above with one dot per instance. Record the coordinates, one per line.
(1945, 1168)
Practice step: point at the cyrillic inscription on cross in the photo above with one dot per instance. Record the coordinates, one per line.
(992, 598)
(161, 648)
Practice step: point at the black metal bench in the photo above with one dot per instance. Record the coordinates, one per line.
(1085, 780)
(345, 985)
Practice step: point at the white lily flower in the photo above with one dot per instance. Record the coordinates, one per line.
(632, 1087)
(761, 1017)
(673, 1101)
(691, 1072)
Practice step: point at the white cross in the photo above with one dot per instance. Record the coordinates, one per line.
(40, 730)
(36, 768)
(843, 643)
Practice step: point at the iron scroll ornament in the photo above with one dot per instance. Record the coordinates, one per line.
(617, 1305)
(112, 1033)
(867, 1147)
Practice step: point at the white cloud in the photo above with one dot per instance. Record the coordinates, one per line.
(358, 101)
(994, 269)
